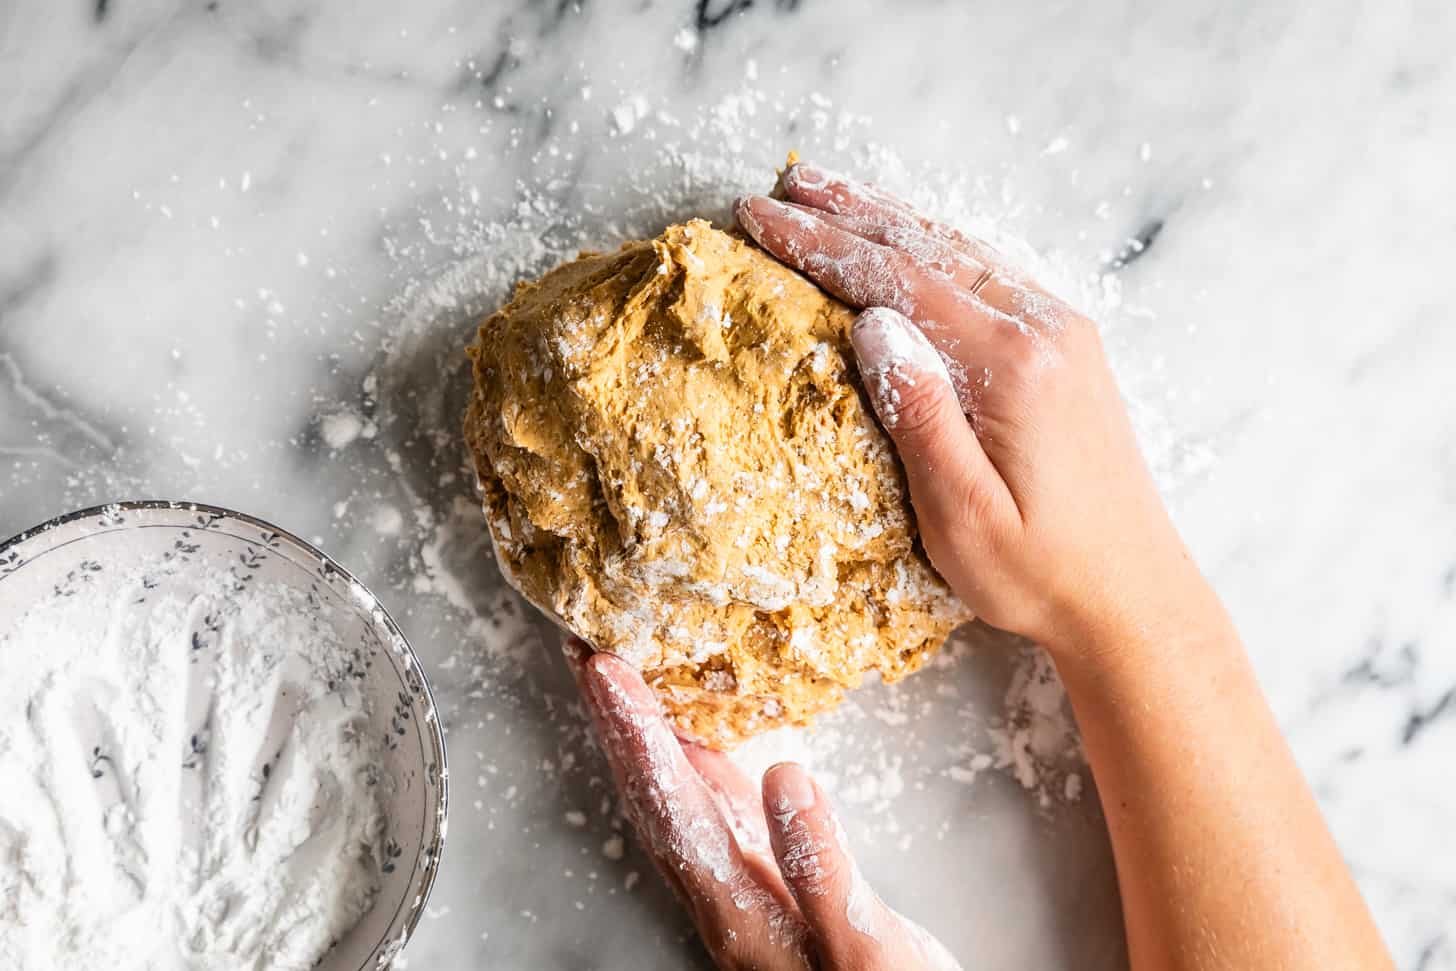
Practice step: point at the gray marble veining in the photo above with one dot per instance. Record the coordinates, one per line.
(241, 245)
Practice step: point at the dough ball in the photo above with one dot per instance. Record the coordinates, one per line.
(679, 464)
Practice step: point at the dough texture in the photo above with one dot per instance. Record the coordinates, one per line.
(679, 464)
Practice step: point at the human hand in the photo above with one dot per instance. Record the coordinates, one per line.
(1038, 510)
(766, 878)
(1033, 499)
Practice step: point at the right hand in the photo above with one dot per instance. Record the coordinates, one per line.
(1033, 499)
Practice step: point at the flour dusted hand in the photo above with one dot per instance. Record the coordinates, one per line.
(678, 464)
(766, 876)
(1036, 506)
(1034, 501)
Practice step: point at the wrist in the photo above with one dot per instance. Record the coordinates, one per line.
(1155, 616)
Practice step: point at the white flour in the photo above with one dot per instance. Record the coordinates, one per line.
(894, 353)
(188, 782)
(987, 714)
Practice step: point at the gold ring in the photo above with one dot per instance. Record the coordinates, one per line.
(981, 281)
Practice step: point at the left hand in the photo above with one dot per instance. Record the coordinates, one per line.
(766, 878)
(1032, 498)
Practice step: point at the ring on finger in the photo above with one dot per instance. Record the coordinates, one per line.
(981, 281)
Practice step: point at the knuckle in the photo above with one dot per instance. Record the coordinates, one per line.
(1025, 354)
(728, 950)
(975, 515)
(920, 410)
(731, 949)
(971, 519)
(980, 512)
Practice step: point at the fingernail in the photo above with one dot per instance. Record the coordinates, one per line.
(887, 343)
(617, 685)
(789, 788)
(743, 210)
(806, 175)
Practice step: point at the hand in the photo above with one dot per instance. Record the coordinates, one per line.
(1038, 510)
(767, 880)
(1033, 499)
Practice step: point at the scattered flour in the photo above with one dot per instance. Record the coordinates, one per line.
(396, 434)
(340, 429)
(1036, 739)
(188, 779)
(458, 257)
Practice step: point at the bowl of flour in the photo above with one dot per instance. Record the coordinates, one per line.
(216, 751)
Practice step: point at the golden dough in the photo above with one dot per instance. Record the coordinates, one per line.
(679, 464)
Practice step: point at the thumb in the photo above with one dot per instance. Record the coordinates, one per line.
(851, 926)
(848, 919)
(917, 404)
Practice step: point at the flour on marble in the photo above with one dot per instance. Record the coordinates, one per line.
(1036, 739)
(190, 782)
(340, 429)
(871, 753)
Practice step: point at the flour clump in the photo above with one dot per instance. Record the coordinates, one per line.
(679, 464)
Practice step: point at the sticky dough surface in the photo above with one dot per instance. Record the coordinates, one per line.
(678, 463)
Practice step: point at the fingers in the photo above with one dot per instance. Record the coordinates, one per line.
(851, 927)
(741, 803)
(672, 809)
(1004, 291)
(911, 392)
(850, 267)
(927, 252)
(836, 194)
(863, 273)
(970, 263)
(675, 815)
(814, 186)
(973, 336)
(814, 865)
(739, 798)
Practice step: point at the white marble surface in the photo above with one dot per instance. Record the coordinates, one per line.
(236, 235)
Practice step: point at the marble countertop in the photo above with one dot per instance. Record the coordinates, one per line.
(241, 246)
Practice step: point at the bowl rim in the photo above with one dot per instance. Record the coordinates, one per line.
(431, 869)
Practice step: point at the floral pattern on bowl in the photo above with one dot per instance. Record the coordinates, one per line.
(61, 557)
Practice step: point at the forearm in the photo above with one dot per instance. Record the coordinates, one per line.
(1223, 858)
(1037, 510)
